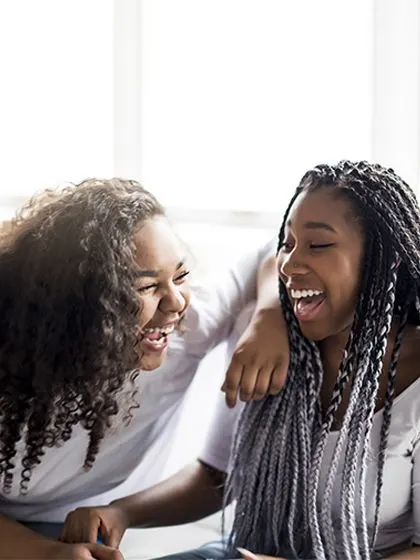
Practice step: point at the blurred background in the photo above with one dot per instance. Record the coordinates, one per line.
(217, 106)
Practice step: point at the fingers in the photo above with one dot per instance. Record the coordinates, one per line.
(113, 538)
(232, 382)
(278, 379)
(253, 382)
(91, 529)
(69, 531)
(80, 527)
(248, 382)
(102, 552)
(247, 555)
(263, 383)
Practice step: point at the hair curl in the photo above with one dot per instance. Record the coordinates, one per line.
(68, 316)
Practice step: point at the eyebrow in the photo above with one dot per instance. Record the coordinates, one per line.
(316, 225)
(142, 273)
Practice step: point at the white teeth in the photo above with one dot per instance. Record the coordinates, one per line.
(155, 342)
(164, 331)
(298, 294)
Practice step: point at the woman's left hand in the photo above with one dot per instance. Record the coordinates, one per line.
(247, 555)
(261, 358)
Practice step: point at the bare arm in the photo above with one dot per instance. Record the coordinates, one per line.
(412, 553)
(267, 285)
(18, 542)
(191, 494)
(261, 358)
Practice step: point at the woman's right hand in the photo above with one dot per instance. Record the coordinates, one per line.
(62, 551)
(86, 524)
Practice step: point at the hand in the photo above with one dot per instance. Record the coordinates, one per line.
(261, 359)
(87, 524)
(247, 555)
(61, 551)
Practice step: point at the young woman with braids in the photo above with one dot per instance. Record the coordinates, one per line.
(342, 477)
(330, 468)
(93, 281)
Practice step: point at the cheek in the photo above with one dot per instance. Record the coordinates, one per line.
(280, 275)
(348, 279)
(186, 294)
(148, 305)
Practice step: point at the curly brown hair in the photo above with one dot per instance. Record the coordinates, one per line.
(68, 316)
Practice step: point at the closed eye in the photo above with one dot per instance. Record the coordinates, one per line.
(150, 287)
(146, 289)
(182, 276)
(321, 245)
(286, 246)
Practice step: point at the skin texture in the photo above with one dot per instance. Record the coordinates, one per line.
(322, 250)
(162, 285)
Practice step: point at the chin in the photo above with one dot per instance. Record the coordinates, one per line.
(152, 361)
(313, 333)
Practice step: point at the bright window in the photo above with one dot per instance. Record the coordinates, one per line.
(238, 98)
(56, 108)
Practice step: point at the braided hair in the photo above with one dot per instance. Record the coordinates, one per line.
(68, 317)
(278, 451)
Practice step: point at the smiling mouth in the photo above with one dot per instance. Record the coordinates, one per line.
(307, 303)
(157, 336)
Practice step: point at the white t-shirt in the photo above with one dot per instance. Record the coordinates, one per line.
(400, 505)
(133, 457)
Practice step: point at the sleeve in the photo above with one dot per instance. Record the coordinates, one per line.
(214, 311)
(217, 445)
(415, 458)
(216, 449)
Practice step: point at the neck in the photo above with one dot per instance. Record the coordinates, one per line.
(332, 350)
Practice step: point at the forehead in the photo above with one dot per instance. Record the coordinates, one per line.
(322, 206)
(157, 246)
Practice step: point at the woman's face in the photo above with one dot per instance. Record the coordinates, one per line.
(320, 262)
(162, 288)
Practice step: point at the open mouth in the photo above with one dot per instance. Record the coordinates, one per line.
(156, 338)
(307, 303)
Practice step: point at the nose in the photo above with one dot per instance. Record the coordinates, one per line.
(173, 301)
(291, 264)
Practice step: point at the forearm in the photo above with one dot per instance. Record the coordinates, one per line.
(267, 286)
(412, 553)
(20, 543)
(191, 494)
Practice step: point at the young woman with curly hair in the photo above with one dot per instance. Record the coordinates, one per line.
(93, 282)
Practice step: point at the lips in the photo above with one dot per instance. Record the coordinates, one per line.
(307, 303)
(306, 309)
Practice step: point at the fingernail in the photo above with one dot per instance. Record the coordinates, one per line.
(247, 553)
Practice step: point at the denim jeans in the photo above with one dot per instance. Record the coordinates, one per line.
(51, 530)
(214, 550)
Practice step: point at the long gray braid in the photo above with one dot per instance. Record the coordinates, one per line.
(278, 451)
